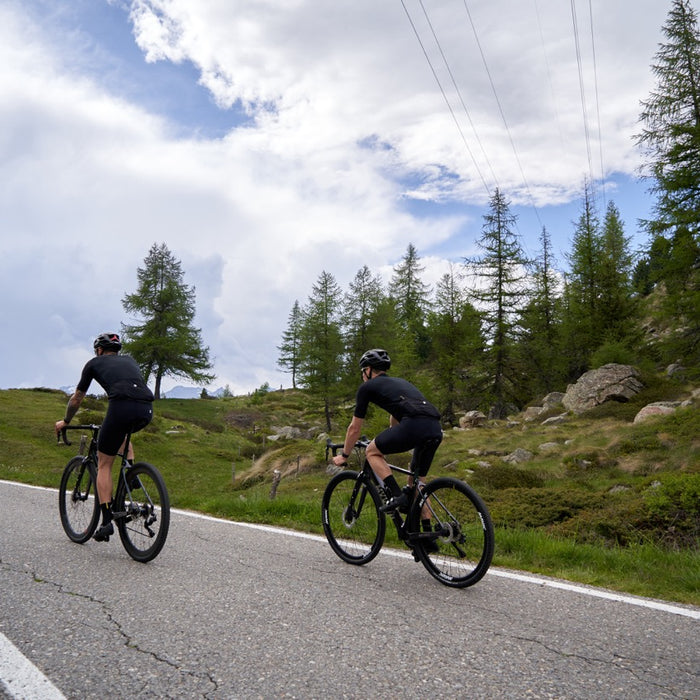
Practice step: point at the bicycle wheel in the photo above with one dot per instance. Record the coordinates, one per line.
(466, 542)
(77, 504)
(351, 519)
(142, 511)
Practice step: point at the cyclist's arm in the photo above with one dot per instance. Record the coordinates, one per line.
(352, 435)
(71, 409)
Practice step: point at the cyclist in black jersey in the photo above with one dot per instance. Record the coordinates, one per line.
(130, 409)
(414, 423)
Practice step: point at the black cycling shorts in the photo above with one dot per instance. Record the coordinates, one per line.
(422, 435)
(122, 417)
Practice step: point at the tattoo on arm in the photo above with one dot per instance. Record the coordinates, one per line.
(73, 405)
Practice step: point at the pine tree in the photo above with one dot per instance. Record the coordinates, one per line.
(616, 306)
(500, 291)
(539, 346)
(290, 349)
(671, 143)
(581, 323)
(165, 341)
(321, 347)
(360, 307)
(455, 330)
(412, 299)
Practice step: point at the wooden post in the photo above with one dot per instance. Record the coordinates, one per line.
(83, 442)
(276, 476)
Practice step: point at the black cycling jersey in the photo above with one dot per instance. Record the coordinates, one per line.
(419, 426)
(396, 396)
(118, 375)
(130, 400)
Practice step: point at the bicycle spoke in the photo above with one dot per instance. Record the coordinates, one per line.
(461, 553)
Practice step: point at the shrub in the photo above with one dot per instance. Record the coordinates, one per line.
(673, 504)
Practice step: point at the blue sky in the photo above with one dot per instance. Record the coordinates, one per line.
(266, 141)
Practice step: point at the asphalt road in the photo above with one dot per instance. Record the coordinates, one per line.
(232, 611)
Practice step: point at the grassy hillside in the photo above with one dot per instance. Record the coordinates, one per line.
(601, 501)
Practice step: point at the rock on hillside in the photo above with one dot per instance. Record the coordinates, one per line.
(610, 382)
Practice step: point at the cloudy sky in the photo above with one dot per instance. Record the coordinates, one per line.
(265, 141)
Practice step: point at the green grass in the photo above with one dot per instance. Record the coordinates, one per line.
(614, 504)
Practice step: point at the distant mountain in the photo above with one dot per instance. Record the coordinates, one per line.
(188, 392)
(177, 392)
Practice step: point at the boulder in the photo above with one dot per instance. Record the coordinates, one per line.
(659, 408)
(531, 412)
(554, 398)
(518, 456)
(472, 419)
(612, 382)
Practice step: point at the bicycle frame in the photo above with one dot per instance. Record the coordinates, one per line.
(406, 535)
(91, 457)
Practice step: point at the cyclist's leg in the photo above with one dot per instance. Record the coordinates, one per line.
(111, 436)
(140, 415)
(423, 455)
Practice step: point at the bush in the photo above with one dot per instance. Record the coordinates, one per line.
(673, 504)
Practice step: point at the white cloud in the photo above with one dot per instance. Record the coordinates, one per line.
(345, 121)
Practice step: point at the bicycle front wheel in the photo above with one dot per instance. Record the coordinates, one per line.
(77, 503)
(142, 511)
(353, 524)
(461, 554)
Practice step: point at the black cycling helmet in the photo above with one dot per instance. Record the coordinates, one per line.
(376, 359)
(108, 341)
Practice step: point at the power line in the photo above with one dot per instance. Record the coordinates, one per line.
(458, 91)
(597, 105)
(503, 116)
(447, 102)
(582, 89)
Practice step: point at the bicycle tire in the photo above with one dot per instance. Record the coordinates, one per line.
(354, 528)
(78, 505)
(142, 511)
(465, 547)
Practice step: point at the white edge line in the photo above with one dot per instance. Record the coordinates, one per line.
(525, 578)
(21, 678)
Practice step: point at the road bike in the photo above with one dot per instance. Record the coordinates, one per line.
(140, 508)
(457, 549)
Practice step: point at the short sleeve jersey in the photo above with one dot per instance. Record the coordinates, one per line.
(119, 375)
(389, 393)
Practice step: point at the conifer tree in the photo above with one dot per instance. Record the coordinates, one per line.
(539, 346)
(616, 306)
(581, 327)
(670, 140)
(290, 349)
(165, 342)
(412, 299)
(321, 346)
(455, 330)
(499, 292)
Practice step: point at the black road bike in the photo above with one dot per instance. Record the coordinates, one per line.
(140, 508)
(457, 550)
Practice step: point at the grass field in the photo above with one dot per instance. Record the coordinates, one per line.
(601, 500)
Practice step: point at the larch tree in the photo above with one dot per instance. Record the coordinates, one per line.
(164, 340)
(412, 298)
(499, 292)
(670, 140)
(290, 348)
(321, 347)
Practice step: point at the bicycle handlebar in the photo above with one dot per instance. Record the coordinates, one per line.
(333, 447)
(62, 434)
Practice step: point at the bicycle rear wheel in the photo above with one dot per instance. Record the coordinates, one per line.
(466, 542)
(77, 502)
(142, 511)
(353, 524)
